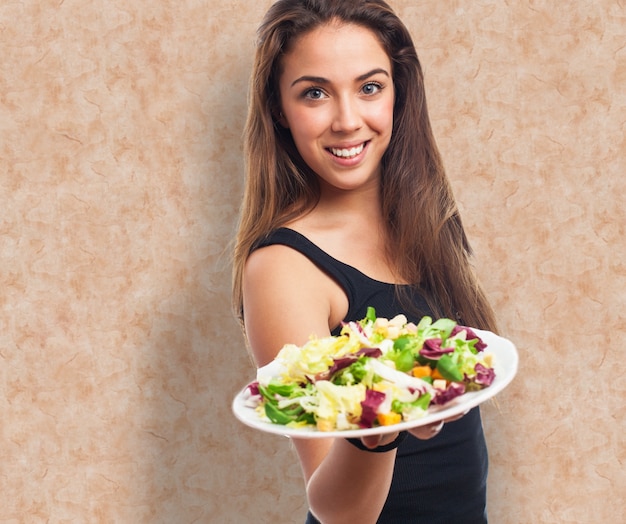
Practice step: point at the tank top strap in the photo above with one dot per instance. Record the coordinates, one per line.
(348, 277)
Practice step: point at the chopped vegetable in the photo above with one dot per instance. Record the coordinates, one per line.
(422, 371)
(387, 419)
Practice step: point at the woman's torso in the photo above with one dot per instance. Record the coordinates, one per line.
(440, 480)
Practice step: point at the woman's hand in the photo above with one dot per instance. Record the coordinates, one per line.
(432, 430)
(427, 432)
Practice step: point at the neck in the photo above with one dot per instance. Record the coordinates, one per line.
(361, 207)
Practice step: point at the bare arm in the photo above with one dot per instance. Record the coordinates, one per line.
(286, 300)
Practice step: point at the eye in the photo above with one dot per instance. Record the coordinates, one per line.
(314, 93)
(371, 88)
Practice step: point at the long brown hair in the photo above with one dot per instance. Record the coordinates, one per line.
(427, 242)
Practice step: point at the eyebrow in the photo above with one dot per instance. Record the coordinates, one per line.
(322, 80)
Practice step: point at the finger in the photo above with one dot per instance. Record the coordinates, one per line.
(371, 441)
(427, 432)
(456, 417)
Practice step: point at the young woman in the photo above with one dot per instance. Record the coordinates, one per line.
(347, 206)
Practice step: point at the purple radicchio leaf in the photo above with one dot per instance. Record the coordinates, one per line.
(432, 349)
(253, 388)
(470, 335)
(373, 399)
(484, 375)
(455, 389)
(346, 361)
(338, 365)
(369, 352)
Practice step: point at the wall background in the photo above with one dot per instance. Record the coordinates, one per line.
(120, 179)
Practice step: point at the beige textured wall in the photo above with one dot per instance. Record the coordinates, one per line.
(120, 177)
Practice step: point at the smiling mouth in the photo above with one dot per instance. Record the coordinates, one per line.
(347, 153)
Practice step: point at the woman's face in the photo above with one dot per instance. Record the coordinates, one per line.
(337, 99)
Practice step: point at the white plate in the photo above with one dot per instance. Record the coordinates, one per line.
(505, 362)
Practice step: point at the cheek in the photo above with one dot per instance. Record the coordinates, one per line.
(383, 116)
(306, 125)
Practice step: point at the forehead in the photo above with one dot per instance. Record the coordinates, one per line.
(335, 48)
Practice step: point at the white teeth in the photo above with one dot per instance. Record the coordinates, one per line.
(347, 153)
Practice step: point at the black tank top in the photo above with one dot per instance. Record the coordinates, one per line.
(437, 481)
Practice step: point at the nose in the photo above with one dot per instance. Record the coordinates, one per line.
(347, 115)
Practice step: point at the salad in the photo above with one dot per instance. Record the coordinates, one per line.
(377, 372)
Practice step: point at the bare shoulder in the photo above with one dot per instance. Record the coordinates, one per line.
(280, 272)
(286, 299)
